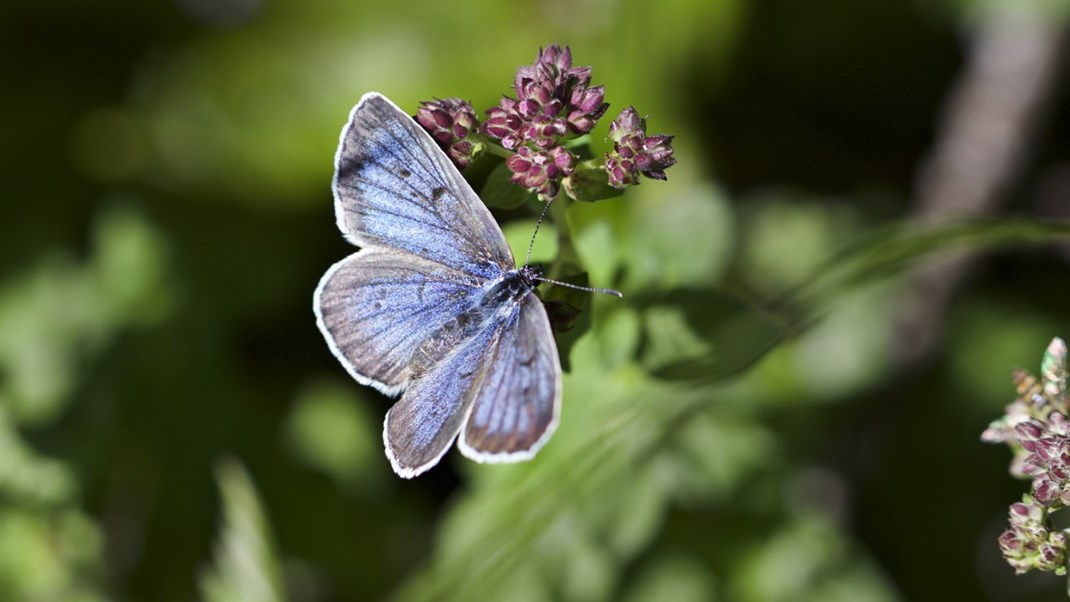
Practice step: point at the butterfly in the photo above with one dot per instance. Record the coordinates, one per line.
(432, 306)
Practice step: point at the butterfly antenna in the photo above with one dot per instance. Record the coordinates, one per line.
(527, 261)
(542, 216)
(607, 291)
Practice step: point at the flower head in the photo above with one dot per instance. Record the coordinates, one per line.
(553, 102)
(1029, 543)
(1034, 424)
(1037, 429)
(553, 66)
(634, 152)
(541, 127)
(541, 171)
(450, 121)
(1046, 458)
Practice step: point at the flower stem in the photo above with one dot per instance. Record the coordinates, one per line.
(495, 149)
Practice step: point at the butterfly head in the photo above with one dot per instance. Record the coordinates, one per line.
(531, 275)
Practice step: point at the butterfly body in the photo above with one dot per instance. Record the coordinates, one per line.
(500, 299)
(432, 306)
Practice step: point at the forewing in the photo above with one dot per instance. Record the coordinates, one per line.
(518, 402)
(376, 307)
(394, 187)
(422, 425)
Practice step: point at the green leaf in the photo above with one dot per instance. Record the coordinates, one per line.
(737, 334)
(898, 248)
(499, 192)
(590, 183)
(569, 311)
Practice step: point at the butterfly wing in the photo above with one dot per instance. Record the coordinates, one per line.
(423, 424)
(428, 244)
(395, 188)
(518, 403)
(376, 307)
(501, 389)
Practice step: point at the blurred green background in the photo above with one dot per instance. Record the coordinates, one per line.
(173, 426)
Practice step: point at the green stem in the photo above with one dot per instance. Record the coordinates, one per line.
(566, 249)
(492, 147)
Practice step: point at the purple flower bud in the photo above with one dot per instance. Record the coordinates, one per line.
(541, 171)
(622, 172)
(579, 76)
(1051, 555)
(636, 153)
(462, 152)
(543, 131)
(585, 108)
(554, 66)
(1009, 542)
(1029, 430)
(447, 120)
(587, 100)
(1027, 512)
(1058, 424)
(536, 98)
(1053, 371)
(554, 56)
(1022, 468)
(450, 121)
(1044, 490)
(503, 123)
(627, 123)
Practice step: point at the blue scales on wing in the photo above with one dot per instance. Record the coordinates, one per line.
(395, 188)
(500, 388)
(378, 307)
(516, 407)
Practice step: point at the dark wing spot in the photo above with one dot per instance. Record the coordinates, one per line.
(437, 193)
(404, 172)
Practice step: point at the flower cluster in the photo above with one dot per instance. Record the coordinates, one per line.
(1037, 429)
(555, 103)
(450, 121)
(1029, 543)
(553, 98)
(636, 153)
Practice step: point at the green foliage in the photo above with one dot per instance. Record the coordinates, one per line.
(499, 192)
(56, 319)
(812, 561)
(632, 443)
(591, 185)
(59, 315)
(333, 431)
(246, 567)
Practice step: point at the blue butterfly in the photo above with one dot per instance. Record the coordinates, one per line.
(432, 306)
